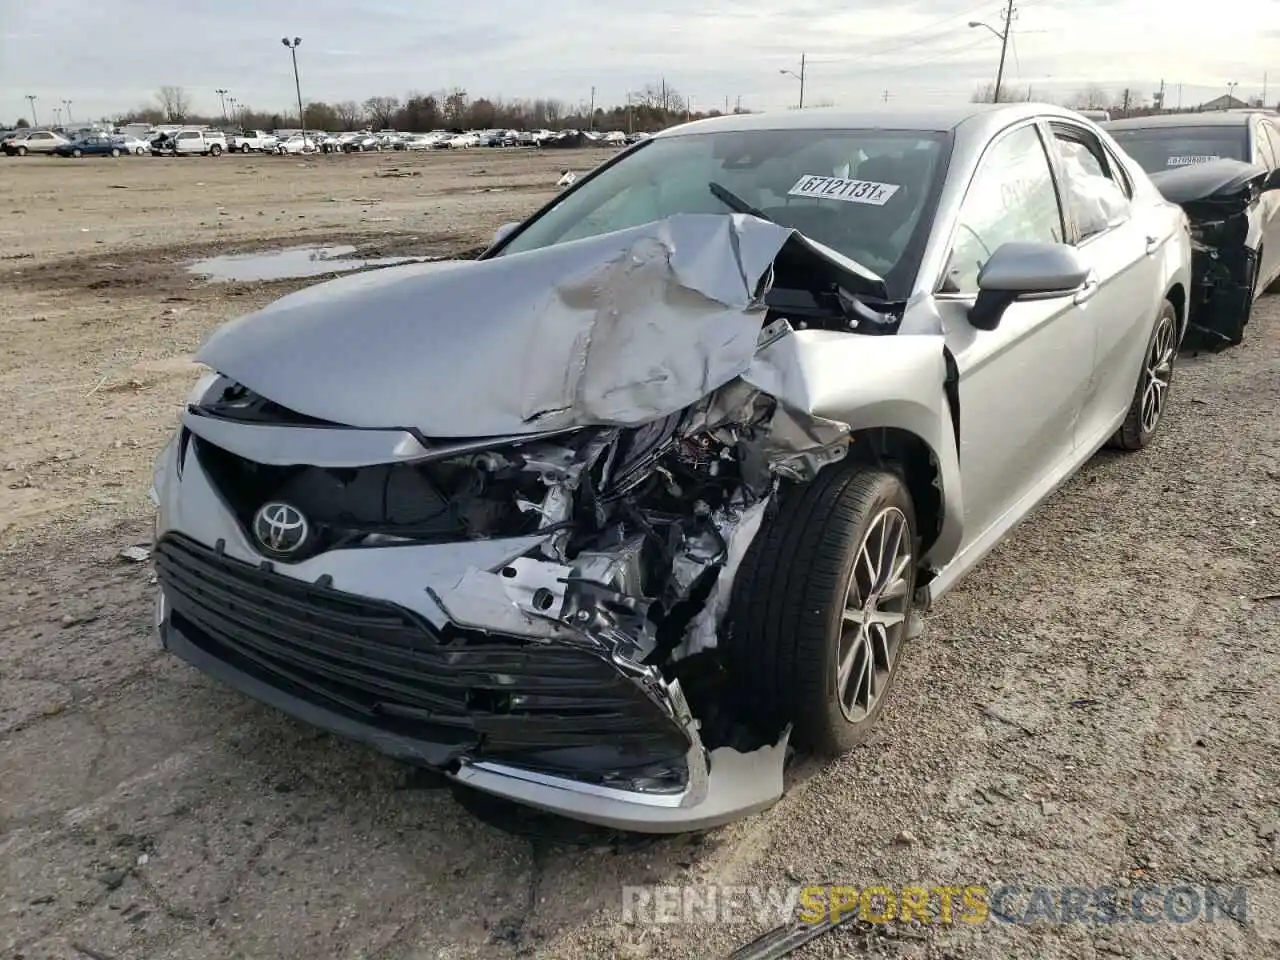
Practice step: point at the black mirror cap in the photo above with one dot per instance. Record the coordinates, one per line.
(1272, 182)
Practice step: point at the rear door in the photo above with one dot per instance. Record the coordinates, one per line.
(1121, 242)
(1021, 384)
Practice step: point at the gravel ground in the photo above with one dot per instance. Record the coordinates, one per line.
(1096, 705)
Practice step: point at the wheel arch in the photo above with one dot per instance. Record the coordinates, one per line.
(910, 456)
(1177, 295)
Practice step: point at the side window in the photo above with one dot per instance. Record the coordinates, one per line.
(1011, 198)
(1273, 137)
(1122, 178)
(187, 136)
(1095, 198)
(1262, 151)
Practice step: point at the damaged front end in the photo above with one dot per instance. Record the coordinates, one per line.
(533, 607)
(1220, 199)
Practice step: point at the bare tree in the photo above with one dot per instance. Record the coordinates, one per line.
(381, 110)
(1008, 94)
(349, 114)
(174, 102)
(456, 103)
(1092, 97)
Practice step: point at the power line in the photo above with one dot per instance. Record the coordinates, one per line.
(900, 41)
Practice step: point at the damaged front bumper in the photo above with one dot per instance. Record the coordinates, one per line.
(431, 653)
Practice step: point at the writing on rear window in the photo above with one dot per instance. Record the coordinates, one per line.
(838, 188)
(1191, 160)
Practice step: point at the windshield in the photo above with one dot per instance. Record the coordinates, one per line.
(864, 193)
(1166, 148)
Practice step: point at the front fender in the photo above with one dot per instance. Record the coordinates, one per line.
(870, 382)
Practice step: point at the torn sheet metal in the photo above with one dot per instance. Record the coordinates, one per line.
(737, 529)
(616, 329)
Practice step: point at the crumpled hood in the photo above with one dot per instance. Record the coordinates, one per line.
(616, 329)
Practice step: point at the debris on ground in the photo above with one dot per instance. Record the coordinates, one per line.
(137, 553)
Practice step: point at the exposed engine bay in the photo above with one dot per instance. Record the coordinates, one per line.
(640, 530)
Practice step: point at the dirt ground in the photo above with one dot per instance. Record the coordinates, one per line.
(1099, 704)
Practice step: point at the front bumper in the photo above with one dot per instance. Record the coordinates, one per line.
(417, 651)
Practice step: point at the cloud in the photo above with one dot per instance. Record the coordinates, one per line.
(917, 51)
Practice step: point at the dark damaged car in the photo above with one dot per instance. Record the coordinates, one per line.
(1223, 169)
(610, 520)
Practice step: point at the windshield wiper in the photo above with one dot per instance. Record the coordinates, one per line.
(736, 203)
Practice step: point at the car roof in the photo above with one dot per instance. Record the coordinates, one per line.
(983, 117)
(1216, 118)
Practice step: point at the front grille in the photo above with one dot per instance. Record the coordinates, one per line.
(384, 665)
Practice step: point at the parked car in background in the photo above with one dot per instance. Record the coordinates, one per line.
(249, 141)
(818, 365)
(1233, 205)
(33, 141)
(457, 141)
(360, 142)
(133, 144)
(503, 138)
(1097, 116)
(189, 142)
(296, 144)
(95, 146)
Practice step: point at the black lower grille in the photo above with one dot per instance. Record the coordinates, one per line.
(382, 664)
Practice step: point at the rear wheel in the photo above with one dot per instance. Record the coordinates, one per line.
(22, 151)
(1155, 378)
(820, 609)
(115, 152)
(244, 148)
(77, 152)
(215, 151)
(140, 151)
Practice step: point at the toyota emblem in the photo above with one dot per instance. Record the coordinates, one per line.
(280, 528)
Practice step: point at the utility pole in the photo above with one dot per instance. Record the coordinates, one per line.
(297, 86)
(591, 119)
(1160, 98)
(31, 98)
(1004, 48)
(885, 96)
(665, 102)
(222, 99)
(738, 107)
(629, 123)
(1264, 88)
(1179, 96)
(67, 103)
(1125, 107)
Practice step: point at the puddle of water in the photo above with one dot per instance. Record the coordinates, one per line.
(291, 264)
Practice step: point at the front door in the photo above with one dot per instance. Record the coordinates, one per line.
(1022, 384)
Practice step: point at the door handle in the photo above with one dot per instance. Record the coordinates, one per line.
(1087, 289)
(1153, 244)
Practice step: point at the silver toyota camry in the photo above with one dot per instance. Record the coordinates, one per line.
(615, 518)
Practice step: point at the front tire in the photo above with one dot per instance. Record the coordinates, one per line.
(1151, 395)
(115, 152)
(215, 151)
(820, 608)
(140, 152)
(77, 154)
(22, 151)
(244, 148)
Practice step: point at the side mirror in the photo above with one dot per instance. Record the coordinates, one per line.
(1272, 182)
(503, 232)
(1025, 271)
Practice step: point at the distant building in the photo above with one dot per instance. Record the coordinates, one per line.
(1224, 102)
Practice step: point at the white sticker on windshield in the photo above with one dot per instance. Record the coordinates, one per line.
(838, 188)
(1191, 161)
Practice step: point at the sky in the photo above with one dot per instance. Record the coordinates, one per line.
(107, 56)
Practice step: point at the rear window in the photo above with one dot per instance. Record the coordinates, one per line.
(1167, 148)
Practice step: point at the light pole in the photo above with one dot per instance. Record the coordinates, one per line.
(31, 98)
(67, 104)
(799, 76)
(57, 116)
(222, 99)
(1231, 92)
(1003, 37)
(297, 85)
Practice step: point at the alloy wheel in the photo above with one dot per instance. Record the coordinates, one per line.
(877, 601)
(1157, 374)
